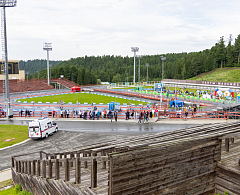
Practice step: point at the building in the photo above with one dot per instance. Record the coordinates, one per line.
(13, 71)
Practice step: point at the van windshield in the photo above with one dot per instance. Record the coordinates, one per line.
(33, 129)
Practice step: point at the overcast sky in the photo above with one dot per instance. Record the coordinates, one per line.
(111, 27)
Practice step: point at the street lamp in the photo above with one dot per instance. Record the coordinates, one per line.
(139, 57)
(3, 4)
(134, 49)
(47, 47)
(147, 65)
(163, 58)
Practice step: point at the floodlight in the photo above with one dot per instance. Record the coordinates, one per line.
(3, 4)
(47, 47)
(134, 49)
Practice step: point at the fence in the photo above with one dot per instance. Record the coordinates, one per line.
(68, 166)
(204, 115)
(174, 162)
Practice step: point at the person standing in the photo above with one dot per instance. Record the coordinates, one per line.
(21, 112)
(53, 113)
(61, 113)
(93, 114)
(110, 114)
(140, 118)
(115, 115)
(98, 114)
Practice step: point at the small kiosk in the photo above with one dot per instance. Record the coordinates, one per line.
(75, 89)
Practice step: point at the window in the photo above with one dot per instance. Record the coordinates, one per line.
(33, 129)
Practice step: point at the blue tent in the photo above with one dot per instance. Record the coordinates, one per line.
(179, 103)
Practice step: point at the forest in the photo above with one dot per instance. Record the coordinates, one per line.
(90, 69)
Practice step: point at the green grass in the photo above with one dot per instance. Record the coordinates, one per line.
(15, 190)
(220, 75)
(144, 87)
(82, 98)
(19, 132)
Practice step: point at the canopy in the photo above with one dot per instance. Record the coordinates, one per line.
(75, 88)
(179, 103)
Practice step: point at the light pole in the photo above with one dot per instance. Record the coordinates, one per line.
(3, 4)
(50, 65)
(163, 58)
(47, 47)
(147, 65)
(134, 49)
(139, 57)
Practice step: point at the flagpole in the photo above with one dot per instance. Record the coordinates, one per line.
(175, 97)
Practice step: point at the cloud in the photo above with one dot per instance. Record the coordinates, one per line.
(111, 27)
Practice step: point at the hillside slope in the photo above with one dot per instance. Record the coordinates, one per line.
(220, 75)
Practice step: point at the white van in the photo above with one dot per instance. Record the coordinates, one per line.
(41, 128)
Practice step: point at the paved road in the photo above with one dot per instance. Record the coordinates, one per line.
(75, 134)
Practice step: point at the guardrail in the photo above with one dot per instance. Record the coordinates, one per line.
(204, 115)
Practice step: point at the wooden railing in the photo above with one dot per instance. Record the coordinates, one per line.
(53, 165)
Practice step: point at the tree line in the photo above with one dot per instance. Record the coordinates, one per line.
(93, 69)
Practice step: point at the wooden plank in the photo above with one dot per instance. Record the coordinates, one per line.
(221, 190)
(57, 166)
(43, 168)
(166, 178)
(29, 168)
(33, 167)
(38, 167)
(49, 169)
(94, 173)
(78, 171)
(227, 144)
(66, 166)
(228, 185)
(163, 170)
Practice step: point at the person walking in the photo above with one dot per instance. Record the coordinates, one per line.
(140, 118)
(61, 113)
(93, 114)
(115, 115)
(21, 112)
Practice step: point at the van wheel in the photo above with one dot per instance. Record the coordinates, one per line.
(56, 129)
(46, 135)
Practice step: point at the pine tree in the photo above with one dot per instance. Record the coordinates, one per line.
(220, 53)
(79, 78)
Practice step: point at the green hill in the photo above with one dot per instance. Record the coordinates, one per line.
(220, 75)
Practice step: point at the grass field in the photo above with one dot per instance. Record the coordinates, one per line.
(19, 132)
(15, 190)
(82, 98)
(220, 75)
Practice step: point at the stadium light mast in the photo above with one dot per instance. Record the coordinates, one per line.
(4, 4)
(47, 47)
(139, 57)
(134, 49)
(163, 58)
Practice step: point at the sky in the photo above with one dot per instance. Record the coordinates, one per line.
(111, 27)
